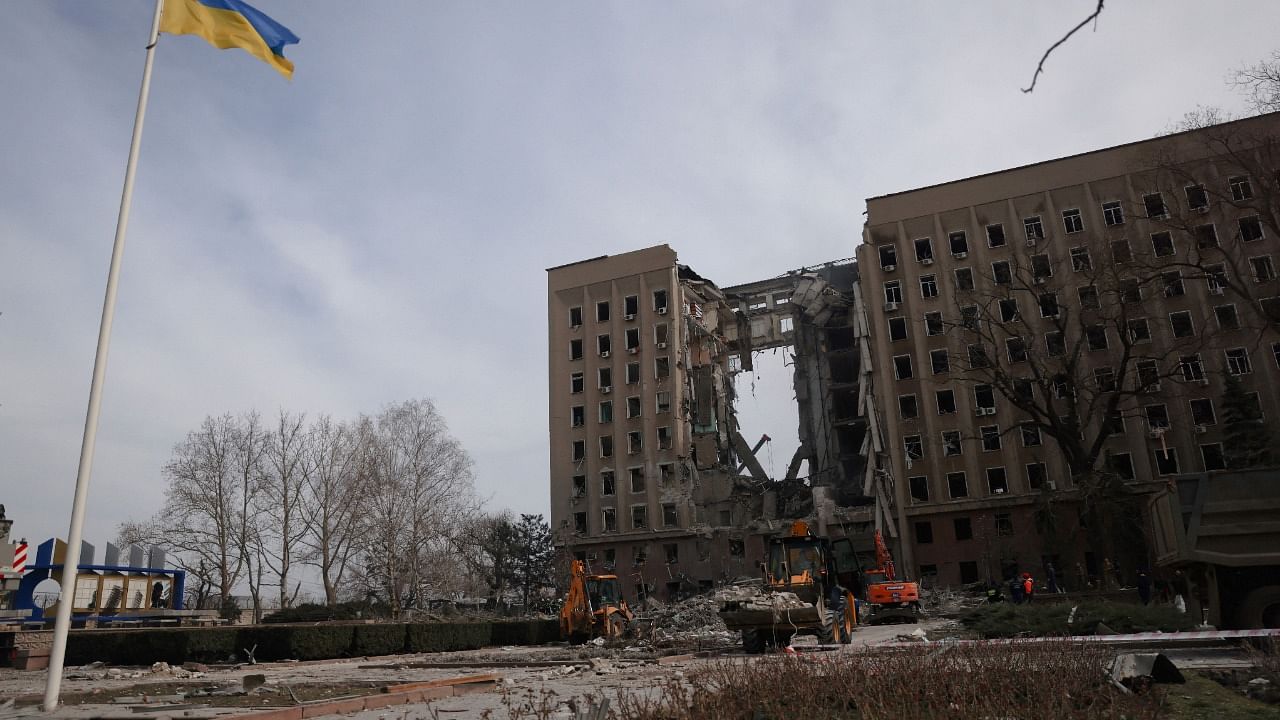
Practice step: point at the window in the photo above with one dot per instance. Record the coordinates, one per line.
(1105, 379)
(1063, 387)
(1121, 464)
(1166, 461)
(964, 279)
(1206, 236)
(603, 345)
(1048, 305)
(1089, 299)
(633, 339)
(1250, 228)
(893, 292)
(609, 520)
(1157, 416)
(997, 482)
(1008, 310)
(1037, 475)
(602, 311)
(924, 532)
(1030, 435)
(951, 444)
(914, 447)
(1162, 244)
(1238, 361)
(1112, 213)
(575, 349)
(908, 408)
(667, 473)
(919, 488)
(605, 376)
(1017, 349)
(968, 572)
(924, 250)
(1154, 204)
(1000, 273)
(1071, 221)
(1227, 317)
(578, 416)
(1148, 375)
(1130, 291)
(637, 479)
(579, 450)
(575, 382)
(580, 522)
(631, 306)
(606, 446)
(633, 373)
(1139, 331)
(902, 367)
(1181, 323)
(995, 235)
(786, 324)
(579, 485)
(575, 317)
(957, 485)
(1004, 524)
(661, 367)
(639, 554)
(661, 334)
(1080, 259)
(1096, 336)
(897, 328)
(928, 286)
(1197, 198)
(639, 517)
(984, 396)
(1216, 278)
(888, 257)
(1202, 412)
(963, 527)
(969, 317)
(1213, 457)
(1263, 269)
(1022, 389)
(1055, 343)
(1241, 189)
(959, 243)
(933, 323)
(990, 438)
(946, 401)
(1041, 267)
(978, 357)
(669, 519)
(939, 362)
(635, 442)
(663, 402)
(633, 406)
(1120, 251)
(608, 483)
(1032, 227)
(1173, 283)
(660, 301)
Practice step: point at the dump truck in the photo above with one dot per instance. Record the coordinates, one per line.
(593, 607)
(1218, 535)
(888, 597)
(808, 589)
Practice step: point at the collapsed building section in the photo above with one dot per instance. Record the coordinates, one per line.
(651, 477)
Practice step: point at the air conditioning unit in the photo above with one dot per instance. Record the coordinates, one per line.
(960, 255)
(662, 346)
(1202, 429)
(1203, 209)
(889, 268)
(1052, 485)
(1038, 280)
(1202, 381)
(1215, 290)
(890, 306)
(926, 261)
(604, 354)
(606, 389)
(632, 351)
(631, 316)
(1031, 242)
(662, 310)
(1155, 433)
(979, 411)
(574, 327)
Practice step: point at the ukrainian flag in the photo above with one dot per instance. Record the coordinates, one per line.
(231, 24)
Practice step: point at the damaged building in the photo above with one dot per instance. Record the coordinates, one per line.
(651, 477)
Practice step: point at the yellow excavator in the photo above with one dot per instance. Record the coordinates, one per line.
(593, 607)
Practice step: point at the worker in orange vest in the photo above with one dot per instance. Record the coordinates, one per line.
(1028, 586)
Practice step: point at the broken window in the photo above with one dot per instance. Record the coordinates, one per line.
(579, 485)
(602, 311)
(1213, 457)
(1017, 348)
(1089, 299)
(1238, 361)
(939, 361)
(951, 445)
(1055, 343)
(1122, 465)
(1030, 435)
(579, 450)
(1263, 269)
(990, 438)
(575, 349)
(660, 333)
(1080, 259)
(1096, 335)
(1172, 283)
(1206, 236)
(924, 532)
(603, 345)
(633, 373)
(908, 408)
(978, 356)
(997, 481)
(928, 286)
(663, 402)
(737, 548)
(1157, 416)
(575, 317)
(672, 551)
(893, 293)
(635, 442)
(639, 554)
(1197, 198)
(1216, 278)
(1105, 379)
(969, 317)
(605, 376)
(757, 304)
(924, 250)
(575, 382)
(630, 307)
(636, 474)
(667, 471)
(662, 367)
(1154, 205)
(633, 340)
(1033, 228)
(1063, 387)
(1022, 389)
(946, 400)
(957, 485)
(1226, 316)
(1166, 461)
(610, 558)
(609, 520)
(1130, 291)
(963, 528)
(1112, 213)
(914, 447)
(919, 488)
(1181, 323)
(933, 323)
(606, 446)
(660, 301)
(1162, 244)
(995, 235)
(1048, 305)
(897, 328)
(1071, 221)
(1148, 375)
(1139, 331)
(1008, 309)
(580, 522)
(888, 258)
(608, 483)
(902, 367)
(1120, 251)
(968, 572)
(1037, 475)
(964, 279)
(669, 519)
(1004, 524)
(578, 416)
(1000, 272)
(1202, 412)
(726, 517)
(639, 517)
(664, 437)
(984, 396)
(633, 406)
(1041, 266)
(1241, 189)
(1250, 228)
(959, 243)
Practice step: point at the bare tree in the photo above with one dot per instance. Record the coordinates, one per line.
(334, 500)
(488, 546)
(284, 458)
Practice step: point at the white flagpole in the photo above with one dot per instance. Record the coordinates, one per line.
(71, 560)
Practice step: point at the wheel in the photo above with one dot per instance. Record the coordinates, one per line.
(850, 619)
(829, 632)
(752, 642)
(781, 639)
(1260, 608)
(578, 638)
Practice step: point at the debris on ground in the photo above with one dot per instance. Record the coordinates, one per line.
(948, 603)
(694, 621)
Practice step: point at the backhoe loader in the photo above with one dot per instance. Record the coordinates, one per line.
(593, 607)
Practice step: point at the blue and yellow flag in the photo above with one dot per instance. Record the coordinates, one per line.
(231, 24)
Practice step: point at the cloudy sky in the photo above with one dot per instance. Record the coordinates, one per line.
(379, 228)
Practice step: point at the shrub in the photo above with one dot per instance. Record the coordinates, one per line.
(529, 632)
(380, 639)
(297, 642)
(443, 637)
(1004, 620)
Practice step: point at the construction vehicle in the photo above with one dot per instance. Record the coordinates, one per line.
(593, 607)
(809, 584)
(888, 597)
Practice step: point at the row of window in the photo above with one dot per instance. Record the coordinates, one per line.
(604, 375)
(639, 553)
(639, 521)
(636, 475)
(604, 343)
(578, 413)
(1073, 223)
(630, 308)
(1202, 414)
(635, 443)
(963, 528)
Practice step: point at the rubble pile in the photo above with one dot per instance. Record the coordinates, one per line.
(947, 603)
(694, 621)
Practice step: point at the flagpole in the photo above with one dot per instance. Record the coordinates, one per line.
(71, 559)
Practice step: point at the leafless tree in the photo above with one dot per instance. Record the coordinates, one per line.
(487, 546)
(334, 503)
(249, 443)
(284, 458)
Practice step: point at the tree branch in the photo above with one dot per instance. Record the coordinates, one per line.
(1040, 67)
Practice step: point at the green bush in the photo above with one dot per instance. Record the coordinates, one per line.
(379, 639)
(443, 637)
(314, 612)
(297, 642)
(1004, 620)
(529, 632)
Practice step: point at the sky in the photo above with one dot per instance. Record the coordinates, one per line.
(378, 229)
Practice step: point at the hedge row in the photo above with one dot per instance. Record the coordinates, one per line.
(1005, 620)
(298, 642)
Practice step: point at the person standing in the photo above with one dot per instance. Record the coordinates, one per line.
(1144, 586)
(1015, 590)
(1028, 587)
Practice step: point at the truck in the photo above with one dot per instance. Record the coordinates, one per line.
(808, 589)
(593, 607)
(1218, 535)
